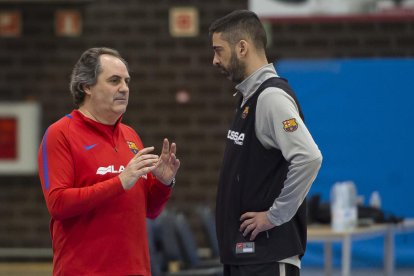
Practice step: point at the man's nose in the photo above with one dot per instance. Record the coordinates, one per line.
(124, 87)
(215, 61)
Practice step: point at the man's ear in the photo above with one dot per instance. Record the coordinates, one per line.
(242, 48)
(86, 88)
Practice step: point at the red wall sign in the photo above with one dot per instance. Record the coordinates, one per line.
(10, 23)
(68, 23)
(8, 138)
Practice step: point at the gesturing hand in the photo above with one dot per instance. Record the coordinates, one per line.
(168, 163)
(256, 222)
(141, 164)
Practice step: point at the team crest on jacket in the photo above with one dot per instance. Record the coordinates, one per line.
(245, 112)
(290, 125)
(133, 147)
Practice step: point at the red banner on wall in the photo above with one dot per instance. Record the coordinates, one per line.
(8, 138)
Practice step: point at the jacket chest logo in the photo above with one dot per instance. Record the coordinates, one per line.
(133, 147)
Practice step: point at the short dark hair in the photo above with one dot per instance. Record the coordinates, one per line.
(87, 70)
(238, 25)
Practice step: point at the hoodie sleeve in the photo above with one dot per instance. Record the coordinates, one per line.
(57, 176)
(278, 125)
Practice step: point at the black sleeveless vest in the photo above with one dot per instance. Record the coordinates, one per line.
(251, 178)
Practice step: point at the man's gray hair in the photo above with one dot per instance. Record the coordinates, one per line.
(87, 70)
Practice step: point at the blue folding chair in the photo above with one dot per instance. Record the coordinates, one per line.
(177, 244)
(208, 223)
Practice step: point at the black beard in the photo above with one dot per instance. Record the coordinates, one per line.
(236, 70)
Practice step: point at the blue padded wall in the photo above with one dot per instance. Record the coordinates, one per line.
(359, 112)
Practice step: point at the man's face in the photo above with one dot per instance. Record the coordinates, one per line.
(109, 96)
(226, 60)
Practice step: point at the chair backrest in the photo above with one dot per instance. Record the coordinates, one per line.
(187, 240)
(167, 238)
(154, 253)
(209, 225)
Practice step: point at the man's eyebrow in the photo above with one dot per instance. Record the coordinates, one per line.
(217, 47)
(117, 76)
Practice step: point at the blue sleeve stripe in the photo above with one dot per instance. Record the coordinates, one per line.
(44, 161)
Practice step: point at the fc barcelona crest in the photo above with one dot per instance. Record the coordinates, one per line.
(290, 125)
(133, 147)
(245, 112)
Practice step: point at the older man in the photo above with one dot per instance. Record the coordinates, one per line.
(99, 182)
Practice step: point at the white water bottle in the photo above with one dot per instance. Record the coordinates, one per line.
(344, 212)
(375, 200)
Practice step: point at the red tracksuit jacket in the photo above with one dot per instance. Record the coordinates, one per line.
(97, 228)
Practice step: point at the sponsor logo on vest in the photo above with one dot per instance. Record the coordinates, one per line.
(236, 137)
(244, 247)
(109, 169)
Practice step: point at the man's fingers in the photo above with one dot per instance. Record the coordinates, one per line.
(248, 229)
(247, 215)
(143, 161)
(245, 224)
(144, 151)
(165, 146)
(254, 234)
(147, 156)
(138, 159)
(173, 149)
(176, 163)
(145, 170)
(173, 159)
(149, 162)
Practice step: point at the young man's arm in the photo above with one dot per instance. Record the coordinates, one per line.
(275, 110)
